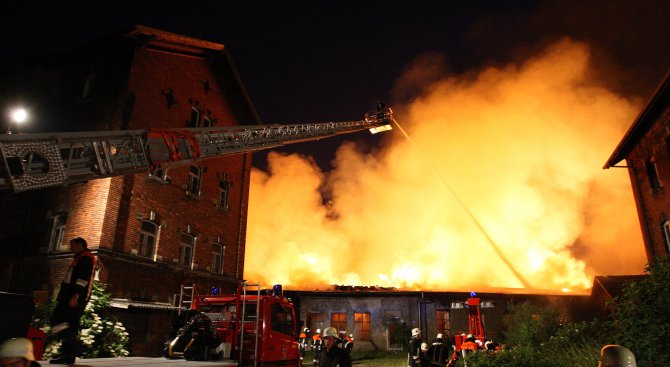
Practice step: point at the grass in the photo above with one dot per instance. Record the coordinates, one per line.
(379, 358)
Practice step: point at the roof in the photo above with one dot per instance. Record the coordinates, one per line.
(642, 123)
(173, 42)
(613, 284)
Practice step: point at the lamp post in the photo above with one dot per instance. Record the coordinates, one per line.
(17, 117)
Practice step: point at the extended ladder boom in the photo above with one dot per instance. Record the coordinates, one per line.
(33, 161)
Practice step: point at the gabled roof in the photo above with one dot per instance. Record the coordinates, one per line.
(172, 42)
(642, 123)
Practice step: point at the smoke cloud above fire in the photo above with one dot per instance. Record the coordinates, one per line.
(519, 146)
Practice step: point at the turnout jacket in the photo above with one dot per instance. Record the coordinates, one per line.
(78, 278)
(335, 357)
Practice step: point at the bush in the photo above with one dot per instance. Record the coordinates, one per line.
(100, 336)
(529, 324)
(641, 319)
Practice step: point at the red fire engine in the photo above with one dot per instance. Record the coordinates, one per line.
(252, 328)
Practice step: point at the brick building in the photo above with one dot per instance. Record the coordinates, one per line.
(646, 149)
(152, 232)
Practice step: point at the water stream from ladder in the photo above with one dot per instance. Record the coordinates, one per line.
(481, 228)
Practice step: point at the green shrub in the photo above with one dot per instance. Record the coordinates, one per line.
(100, 335)
(641, 318)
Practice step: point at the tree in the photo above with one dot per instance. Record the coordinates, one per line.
(641, 318)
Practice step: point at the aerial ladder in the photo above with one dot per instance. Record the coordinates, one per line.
(39, 160)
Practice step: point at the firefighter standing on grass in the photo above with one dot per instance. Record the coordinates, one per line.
(332, 355)
(414, 354)
(316, 346)
(349, 343)
(302, 342)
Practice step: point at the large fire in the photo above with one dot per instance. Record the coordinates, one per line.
(500, 186)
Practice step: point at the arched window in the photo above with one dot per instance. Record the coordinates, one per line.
(148, 236)
(194, 177)
(187, 248)
(218, 251)
(652, 173)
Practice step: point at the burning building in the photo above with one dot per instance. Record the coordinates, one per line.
(377, 317)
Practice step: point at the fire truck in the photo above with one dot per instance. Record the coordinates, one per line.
(252, 328)
(475, 325)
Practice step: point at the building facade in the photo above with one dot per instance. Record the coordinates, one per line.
(646, 150)
(378, 318)
(152, 232)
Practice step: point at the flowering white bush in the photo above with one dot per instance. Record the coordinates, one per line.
(100, 336)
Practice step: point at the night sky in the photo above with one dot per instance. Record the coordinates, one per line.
(305, 61)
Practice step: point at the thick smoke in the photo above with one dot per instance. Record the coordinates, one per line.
(520, 147)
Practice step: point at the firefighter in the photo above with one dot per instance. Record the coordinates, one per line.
(73, 296)
(302, 342)
(439, 339)
(438, 352)
(332, 355)
(425, 362)
(469, 345)
(616, 356)
(349, 343)
(17, 352)
(414, 354)
(316, 346)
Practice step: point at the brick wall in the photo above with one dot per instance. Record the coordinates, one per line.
(653, 204)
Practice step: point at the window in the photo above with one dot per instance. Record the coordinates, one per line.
(194, 177)
(281, 319)
(362, 325)
(148, 235)
(187, 248)
(338, 320)
(195, 117)
(315, 321)
(218, 250)
(442, 324)
(57, 231)
(666, 235)
(160, 174)
(207, 121)
(224, 191)
(652, 172)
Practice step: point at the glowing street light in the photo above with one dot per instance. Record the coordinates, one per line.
(17, 117)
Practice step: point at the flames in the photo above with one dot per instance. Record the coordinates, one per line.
(500, 186)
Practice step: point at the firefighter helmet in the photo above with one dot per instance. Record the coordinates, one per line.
(439, 335)
(351, 336)
(416, 331)
(17, 348)
(330, 331)
(616, 356)
(424, 347)
(318, 331)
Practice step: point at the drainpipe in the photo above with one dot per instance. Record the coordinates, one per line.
(644, 222)
(242, 211)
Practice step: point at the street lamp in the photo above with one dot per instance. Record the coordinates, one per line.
(17, 117)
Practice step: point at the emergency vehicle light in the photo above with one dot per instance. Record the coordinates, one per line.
(215, 290)
(277, 290)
